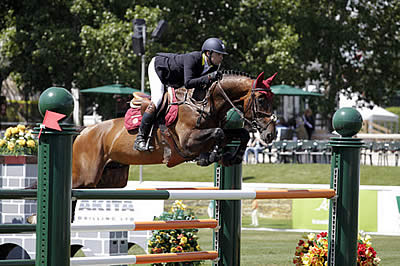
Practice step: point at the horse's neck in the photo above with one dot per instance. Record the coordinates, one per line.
(235, 89)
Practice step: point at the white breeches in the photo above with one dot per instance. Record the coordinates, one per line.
(254, 218)
(156, 86)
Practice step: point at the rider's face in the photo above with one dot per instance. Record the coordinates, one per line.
(216, 58)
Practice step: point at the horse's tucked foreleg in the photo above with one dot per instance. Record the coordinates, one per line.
(208, 158)
(236, 157)
(208, 142)
(219, 139)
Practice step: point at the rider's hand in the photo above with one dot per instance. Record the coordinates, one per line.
(213, 76)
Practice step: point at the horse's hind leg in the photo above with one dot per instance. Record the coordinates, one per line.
(88, 161)
(115, 175)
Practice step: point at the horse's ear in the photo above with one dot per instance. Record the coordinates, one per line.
(269, 80)
(259, 80)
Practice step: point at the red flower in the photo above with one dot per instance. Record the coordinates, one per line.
(371, 249)
(301, 242)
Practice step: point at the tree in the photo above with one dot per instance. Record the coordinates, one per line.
(339, 44)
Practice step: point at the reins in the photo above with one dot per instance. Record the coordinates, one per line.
(254, 124)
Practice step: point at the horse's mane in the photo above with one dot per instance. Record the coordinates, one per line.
(236, 73)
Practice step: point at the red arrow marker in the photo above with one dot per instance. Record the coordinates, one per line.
(51, 121)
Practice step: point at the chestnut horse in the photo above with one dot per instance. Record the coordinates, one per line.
(102, 153)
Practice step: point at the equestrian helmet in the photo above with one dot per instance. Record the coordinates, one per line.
(215, 45)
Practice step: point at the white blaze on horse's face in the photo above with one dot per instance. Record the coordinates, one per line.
(274, 118)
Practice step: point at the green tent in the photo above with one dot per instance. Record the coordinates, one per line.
(111, 89)
(291, 91)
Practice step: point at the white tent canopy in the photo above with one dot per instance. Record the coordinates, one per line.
(376, 115)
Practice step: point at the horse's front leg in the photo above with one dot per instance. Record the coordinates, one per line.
(206, 143)
(236, 157)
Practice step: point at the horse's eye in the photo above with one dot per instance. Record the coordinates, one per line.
(261, 101)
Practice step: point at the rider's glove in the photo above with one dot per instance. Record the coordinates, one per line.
(213, 76)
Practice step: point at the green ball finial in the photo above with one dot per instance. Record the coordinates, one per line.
(233, 120)
(57, 100)
(347, 121)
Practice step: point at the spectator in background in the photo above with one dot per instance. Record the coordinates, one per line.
(254, 217)
(210, 209)
(301, 132)
(309, 122)
(256, 146)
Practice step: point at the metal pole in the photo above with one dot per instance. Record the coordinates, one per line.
(228, 212)
(54, 187)
(230, 215)
(143, 74)
(345, 180)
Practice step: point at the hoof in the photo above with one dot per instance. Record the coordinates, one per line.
(237, 160)
(203, 159)
(214, 157)
(227, 159)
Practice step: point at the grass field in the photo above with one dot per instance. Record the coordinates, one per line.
(267, 173)
(277, 248)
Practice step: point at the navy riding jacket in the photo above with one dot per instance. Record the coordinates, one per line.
(177, 70)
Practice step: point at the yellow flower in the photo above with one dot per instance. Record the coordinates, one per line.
(21, 142)
(311, 236)
(31, 143)
(8, 132)
(14, 130)
(2, 142)
(306, 260)
(11, 146)
(184, 240)
(21, 127)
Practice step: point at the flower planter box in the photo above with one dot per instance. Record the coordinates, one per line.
(17, 172)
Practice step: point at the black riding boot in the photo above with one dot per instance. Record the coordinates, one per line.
(144, 129)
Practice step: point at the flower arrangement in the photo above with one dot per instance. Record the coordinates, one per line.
(313, 250)
(178, 240)
(18, 141)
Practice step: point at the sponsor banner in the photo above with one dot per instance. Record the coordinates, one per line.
(313, 214)
(389, 211)
(117, 211)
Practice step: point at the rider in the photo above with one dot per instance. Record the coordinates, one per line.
(192, 70)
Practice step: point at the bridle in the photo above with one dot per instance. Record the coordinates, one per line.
(254, 108)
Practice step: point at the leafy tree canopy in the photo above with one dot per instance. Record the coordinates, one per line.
(87, 43)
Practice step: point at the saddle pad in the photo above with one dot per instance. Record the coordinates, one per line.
(172, 112)
(133, 118)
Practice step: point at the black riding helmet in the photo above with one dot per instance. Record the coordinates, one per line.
(214, 45)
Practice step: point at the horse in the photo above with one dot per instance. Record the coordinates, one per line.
(103, 152)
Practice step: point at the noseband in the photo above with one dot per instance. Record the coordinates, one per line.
(254, 109)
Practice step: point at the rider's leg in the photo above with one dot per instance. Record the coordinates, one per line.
(157, 91)
(144, 129)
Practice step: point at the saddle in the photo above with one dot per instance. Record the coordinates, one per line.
(168, 111)
(166, 114)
